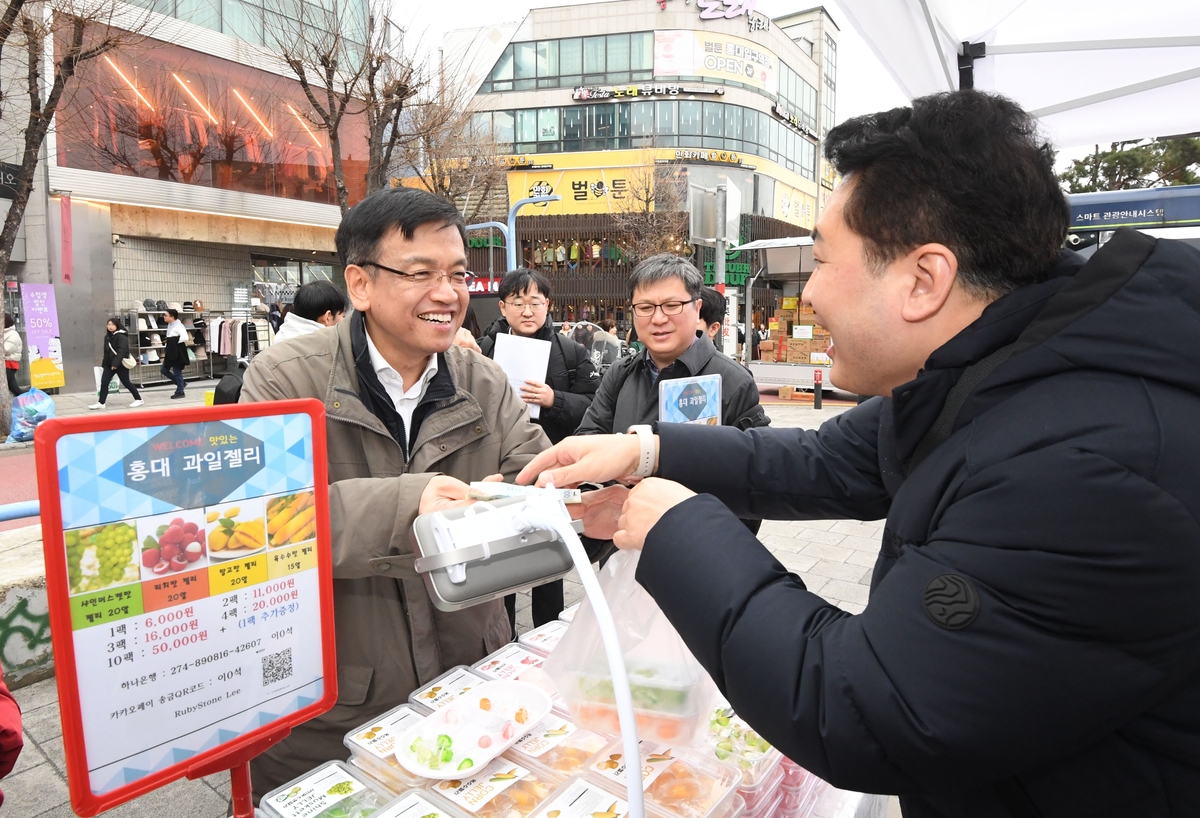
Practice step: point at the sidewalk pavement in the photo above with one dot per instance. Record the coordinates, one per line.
(833, 557)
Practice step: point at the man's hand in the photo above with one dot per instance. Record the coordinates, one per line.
(594, 458)
(444, 492)
(599, 511)
(644, 507)
(464, 338)
(537, 392)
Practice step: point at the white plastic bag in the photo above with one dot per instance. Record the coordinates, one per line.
(672, 693)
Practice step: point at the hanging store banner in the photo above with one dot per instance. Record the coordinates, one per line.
(41, 335)
(189, 578)
(717, 57)
(583, 190)
(795, 206)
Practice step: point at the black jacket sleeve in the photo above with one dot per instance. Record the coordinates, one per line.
(121, 347)
(743, 409)
(572, 404)
(598, 419)
(1082, 620)
(783, 474)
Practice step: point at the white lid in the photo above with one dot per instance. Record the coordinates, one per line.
(317, 793)
(446, 688)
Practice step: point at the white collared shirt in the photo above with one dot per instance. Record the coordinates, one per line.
(393, 384)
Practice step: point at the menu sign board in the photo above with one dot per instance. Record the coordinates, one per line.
(189, 579)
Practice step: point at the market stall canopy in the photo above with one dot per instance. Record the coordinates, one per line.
(1092, 70)
(784, 258)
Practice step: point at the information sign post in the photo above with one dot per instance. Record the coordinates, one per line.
(189, 579)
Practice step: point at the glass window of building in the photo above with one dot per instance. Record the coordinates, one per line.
(667, 113)
(593, 57)
(714, 124)
(641, 53)
(733, 128)
(526, 131)
(547, 58)
(691, 125)
(481, 124)
(641, 124)
(503, 127)
(524, 66)
(618, 58)
(572, 128)
(548, 129)
(749, 126)
(570, 58)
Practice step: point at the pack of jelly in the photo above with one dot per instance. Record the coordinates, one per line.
(502, 789)
(557, 746)
(333, 790)
(678, 781)
(446, 688)
(372, 747)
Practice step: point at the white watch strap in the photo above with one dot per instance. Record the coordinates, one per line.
(646, 453)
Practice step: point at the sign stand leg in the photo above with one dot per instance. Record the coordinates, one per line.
(243, 797)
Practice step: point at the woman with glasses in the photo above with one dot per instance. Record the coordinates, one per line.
(564, 395)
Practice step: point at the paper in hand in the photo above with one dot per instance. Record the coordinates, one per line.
(523, 359)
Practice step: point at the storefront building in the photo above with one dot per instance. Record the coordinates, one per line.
(184, 167)
(607, 104)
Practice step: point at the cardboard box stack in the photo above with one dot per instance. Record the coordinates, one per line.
(796, 337)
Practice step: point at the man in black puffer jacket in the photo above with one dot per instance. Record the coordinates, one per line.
(563, 398)
(1031, 647)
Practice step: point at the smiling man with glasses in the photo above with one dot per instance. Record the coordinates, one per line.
(665, 292)
(402, 404)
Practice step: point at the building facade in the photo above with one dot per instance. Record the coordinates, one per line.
(611, 105)
(185, 166)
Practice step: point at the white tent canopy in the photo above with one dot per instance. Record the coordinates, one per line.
(1093, 71)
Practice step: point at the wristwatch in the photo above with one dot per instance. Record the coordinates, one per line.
(647, 449)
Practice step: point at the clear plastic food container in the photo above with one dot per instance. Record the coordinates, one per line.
(419, 803)
(675, 780)
(557, 746)
(793, 774)
(502, 789)
(544, 639)
(515, 662)
(568, 613)
(445, 688)
(737, 744)
(663, 727)
(737, 808)
(655, 688)
(471, 731)
(763, 790)
(333, 790)
(373, 747)
(580, 797)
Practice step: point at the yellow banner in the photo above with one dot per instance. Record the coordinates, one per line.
(794, 206)
(717, 57)
(45, 373)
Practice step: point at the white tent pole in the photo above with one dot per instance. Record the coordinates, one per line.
(937, 46)
(1116, 93)
(1094, 45)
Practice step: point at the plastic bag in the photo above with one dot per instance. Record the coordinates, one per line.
(28, 411)
(672, 693)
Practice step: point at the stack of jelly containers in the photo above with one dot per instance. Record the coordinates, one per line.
(336, 790)
(733, 742)
(801, 789)
(517, 663)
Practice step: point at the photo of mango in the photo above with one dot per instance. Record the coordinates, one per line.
(236, 530)
(291, 519)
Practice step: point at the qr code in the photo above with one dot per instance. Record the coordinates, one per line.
(276, 667)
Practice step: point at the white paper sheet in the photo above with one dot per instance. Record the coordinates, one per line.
(523, 359)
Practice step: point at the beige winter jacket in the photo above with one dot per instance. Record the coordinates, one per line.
(390, 638)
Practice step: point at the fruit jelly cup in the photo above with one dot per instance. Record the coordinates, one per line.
(516, 801)
(768, 808)
(402, 805)
(569, 757)
(373, 794)
(717, 783)
(665, 728)
(754, 771)
(763, 789)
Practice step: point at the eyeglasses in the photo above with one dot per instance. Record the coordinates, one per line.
(521, 306)
(425, 278)
(645, 310)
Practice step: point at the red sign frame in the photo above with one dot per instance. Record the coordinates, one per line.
(232, 755)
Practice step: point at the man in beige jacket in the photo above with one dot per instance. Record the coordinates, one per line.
(402, 403)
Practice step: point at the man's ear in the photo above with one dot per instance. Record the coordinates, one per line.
(359, 287)
(930, 272)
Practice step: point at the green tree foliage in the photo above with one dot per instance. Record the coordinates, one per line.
(1140, 164)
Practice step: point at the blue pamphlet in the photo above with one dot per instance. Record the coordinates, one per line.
(690, 400)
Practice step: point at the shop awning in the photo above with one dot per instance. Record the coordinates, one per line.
(784, 258)
(1093, 71)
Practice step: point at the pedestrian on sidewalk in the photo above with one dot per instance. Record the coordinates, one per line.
(317, 305)
(13, 347)
(176, 357)
(116, 350)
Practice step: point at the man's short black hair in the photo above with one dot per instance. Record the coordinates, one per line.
(519, 281)
(664, 267)
(399, 208)
(712, 307)
(316, 298)
(174, 313)
(965, 169)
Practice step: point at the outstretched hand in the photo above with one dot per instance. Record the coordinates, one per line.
(589, 458)
(600, 511)
(647, 502)
(443, 492)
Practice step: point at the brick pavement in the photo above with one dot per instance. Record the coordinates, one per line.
(834, 559)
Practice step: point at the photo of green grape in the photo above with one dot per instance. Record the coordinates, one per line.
(101, 556)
